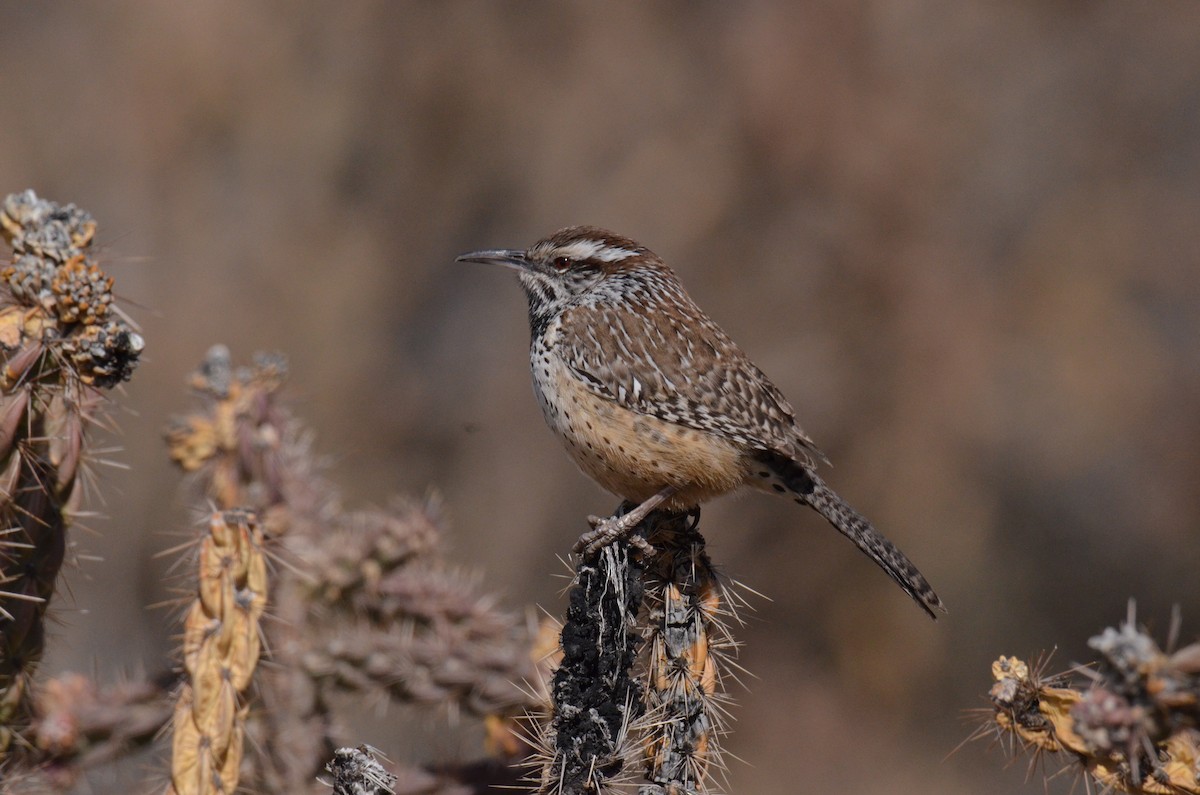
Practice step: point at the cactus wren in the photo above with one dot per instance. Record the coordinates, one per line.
(655, 402)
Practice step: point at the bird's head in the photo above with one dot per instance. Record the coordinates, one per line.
(569, 266)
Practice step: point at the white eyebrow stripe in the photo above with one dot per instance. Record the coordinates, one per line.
(594, 249)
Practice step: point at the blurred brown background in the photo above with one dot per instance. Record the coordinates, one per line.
(961, 236)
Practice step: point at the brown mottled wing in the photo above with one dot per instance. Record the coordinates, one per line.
(667, 359)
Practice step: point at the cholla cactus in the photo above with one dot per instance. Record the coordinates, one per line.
(221, 646)
(62, 339)
(363, 601)
(645, 650)
(1131, 722)
(587, 743)
(690, 653)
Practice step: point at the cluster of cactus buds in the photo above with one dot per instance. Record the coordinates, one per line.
(60, 321)
(1131, 721)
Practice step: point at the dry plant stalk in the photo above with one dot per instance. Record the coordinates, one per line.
(643, 651)
(1131, 722)
(220, 652)
(62, 340)
(363, 601)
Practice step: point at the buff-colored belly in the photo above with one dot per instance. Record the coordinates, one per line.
(636, 455)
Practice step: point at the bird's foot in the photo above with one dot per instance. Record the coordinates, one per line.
(606, 530)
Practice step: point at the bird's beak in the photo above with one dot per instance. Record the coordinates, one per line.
(501, 256)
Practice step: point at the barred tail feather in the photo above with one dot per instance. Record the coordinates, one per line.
(810, 490)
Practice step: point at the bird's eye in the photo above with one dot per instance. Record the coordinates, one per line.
(562, 263)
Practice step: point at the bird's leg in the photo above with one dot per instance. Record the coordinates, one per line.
(606, 531)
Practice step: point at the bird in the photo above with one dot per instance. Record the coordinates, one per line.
(655, 402)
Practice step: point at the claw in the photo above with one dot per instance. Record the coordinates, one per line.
(606, 530)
